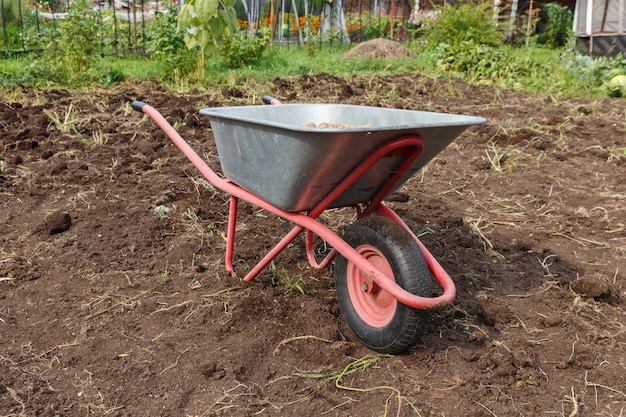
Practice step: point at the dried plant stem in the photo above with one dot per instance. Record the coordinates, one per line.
(592, 384)
(574, 401)
(119, 303)
(292, 339)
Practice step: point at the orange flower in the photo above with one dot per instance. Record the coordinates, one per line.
(313, 22)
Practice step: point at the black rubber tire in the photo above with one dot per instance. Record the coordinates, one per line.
(410, 272)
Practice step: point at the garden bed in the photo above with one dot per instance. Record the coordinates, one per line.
(114, 299)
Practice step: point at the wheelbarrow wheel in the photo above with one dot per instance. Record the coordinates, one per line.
(376, 318)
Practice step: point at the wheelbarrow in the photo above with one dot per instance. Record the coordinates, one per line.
(298, 160)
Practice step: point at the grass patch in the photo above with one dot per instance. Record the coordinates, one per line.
(546, 71)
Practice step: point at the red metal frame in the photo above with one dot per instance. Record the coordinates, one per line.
(409, 147)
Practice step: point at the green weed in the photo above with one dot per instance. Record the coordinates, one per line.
(161, 212)
(75, 47)
(288, 285)
(165, 277)
(165, 44)
(498, 256)
(425, 231)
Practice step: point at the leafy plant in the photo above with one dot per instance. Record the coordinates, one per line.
(241, 49)
(77, 40)
(377, 26)
(478, 62)
(592, 72)
(617, 85)
(161, 212)
(165, 43)
(467, 22)
(205, 23)
(559, 28)
(70, 50)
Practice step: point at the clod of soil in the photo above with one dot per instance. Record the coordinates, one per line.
(58, 222)
(593, 286)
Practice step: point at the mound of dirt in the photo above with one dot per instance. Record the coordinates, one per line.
(378, 48)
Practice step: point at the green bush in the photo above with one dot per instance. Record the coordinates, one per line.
(166, 44)
(377, 26)
(469, 22)
(479, 62)
(558, 31)
(77, 37)
(241, 49)
(70, 51)
(13, 40)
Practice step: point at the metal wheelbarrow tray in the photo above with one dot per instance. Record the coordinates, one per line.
(297, 160)
(274, 152)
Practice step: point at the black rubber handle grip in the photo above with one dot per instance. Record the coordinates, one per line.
(138, 105)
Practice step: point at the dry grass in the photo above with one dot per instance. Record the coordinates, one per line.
(113, 302)
(595, 324)
(338, 377)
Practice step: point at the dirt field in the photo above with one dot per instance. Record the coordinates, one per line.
(108, 307)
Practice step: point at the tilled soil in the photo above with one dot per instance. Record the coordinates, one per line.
(114, 298)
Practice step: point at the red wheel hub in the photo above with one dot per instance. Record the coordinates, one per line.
(375, 306)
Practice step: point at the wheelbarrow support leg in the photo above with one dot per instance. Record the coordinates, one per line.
(230, 235)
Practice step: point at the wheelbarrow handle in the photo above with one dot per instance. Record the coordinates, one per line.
(138, 106)
(270, 100)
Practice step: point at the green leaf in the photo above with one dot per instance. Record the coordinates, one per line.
(190, 41)
(203, 38)
(230, 19)
(217, 27)
(185, 16)
(206, 9)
